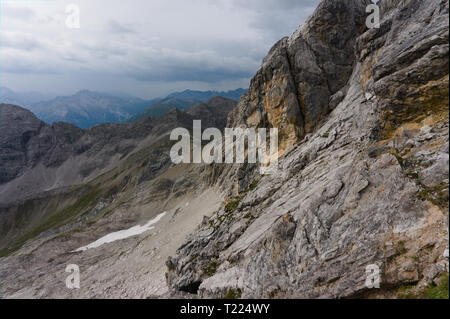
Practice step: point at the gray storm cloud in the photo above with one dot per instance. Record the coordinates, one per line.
(149, 48)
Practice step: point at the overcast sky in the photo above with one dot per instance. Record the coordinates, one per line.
(146, 48)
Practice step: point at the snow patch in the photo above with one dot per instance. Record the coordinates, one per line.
(122, 234)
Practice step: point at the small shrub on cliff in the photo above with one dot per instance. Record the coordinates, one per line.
(211, 269)
(232, 205)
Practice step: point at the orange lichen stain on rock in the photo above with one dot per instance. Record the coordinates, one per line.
(407, 128)
(276, 105)
(428, 102)
(368, 66)
(422, 244)
(413, 128)
(433, 145)
(436, 118)
(273, 101)
(254, 119)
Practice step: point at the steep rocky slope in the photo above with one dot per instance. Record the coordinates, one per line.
(363, 179)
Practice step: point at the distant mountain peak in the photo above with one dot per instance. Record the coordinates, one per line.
(85, 91)
(185, 99)
(87, 108)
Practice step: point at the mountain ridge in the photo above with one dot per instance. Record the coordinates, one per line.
(183, 100)
(28, 142)
(87, 108)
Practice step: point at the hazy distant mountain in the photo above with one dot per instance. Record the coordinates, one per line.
(183, 100)
(87, 108)
(84, 109)
(22, 98)
(162, 107)
(29, 147)
(190, 95)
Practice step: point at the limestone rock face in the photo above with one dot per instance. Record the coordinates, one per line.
(294, 85)
(366, 186)
(405, 62)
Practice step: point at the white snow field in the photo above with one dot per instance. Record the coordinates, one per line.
(122, 234)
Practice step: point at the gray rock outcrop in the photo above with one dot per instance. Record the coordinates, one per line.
(301, 74)
(361, 181)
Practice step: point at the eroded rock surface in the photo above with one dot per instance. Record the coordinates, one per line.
(362, 185)
(303, 73)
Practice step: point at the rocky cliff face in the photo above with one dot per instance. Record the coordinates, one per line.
(303, 77)
(363, 117)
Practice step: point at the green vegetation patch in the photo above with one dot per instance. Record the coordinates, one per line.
(439, 291)
(86, 201)
(233, 204)
(435, 194)
(211, 269)
(233, 294)
(253, 186)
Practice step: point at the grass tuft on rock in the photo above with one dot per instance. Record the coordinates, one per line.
(233, 294)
